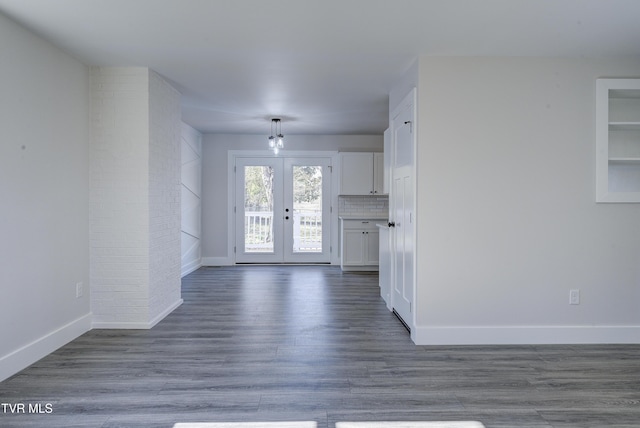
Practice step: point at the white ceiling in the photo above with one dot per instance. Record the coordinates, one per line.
(324, 66)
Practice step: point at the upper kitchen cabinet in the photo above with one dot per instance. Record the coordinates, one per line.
(618, 140)
(362, 173)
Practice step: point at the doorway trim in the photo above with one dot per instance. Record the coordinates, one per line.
(232, 155)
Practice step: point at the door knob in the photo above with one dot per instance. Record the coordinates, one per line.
(286, 218)
(392, 224)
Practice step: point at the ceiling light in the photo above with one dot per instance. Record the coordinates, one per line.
(276, 140)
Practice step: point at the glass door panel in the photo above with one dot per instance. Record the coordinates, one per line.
(258, 210)
(307, 209)
(307, 190)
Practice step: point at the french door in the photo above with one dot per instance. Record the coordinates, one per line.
(282, 210)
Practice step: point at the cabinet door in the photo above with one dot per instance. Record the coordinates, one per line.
(353, 249)
(373, 247)
(378, 174)
(386, 163)
(356, 172)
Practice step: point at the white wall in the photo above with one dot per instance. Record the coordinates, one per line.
(44, 189)
(507, 222)
(120, 195)
(165, 166)
(135, 197)
(215, 148)
(191, 142)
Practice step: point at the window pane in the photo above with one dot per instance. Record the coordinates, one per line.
(258, 209)
(307, 209)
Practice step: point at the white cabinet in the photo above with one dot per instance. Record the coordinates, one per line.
(386, 162)
(618, 140)
(361, 173)
(378, 175)
(384, 266)
(359, 245)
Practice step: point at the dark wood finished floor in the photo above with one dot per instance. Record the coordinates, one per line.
(267, 343)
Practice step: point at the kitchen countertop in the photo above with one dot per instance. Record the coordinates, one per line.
(362, 217)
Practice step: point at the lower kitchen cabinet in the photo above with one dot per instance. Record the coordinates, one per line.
(359, 245)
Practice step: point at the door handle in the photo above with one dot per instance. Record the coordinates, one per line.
(286, 218)
(392, 224)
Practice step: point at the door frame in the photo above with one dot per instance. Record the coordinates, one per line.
(232, 155)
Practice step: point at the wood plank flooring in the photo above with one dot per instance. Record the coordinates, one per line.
(310, 343)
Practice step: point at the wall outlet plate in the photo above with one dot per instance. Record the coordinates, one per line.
(574, 297)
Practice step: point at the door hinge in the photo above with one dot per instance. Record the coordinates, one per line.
(234, 209)
(234, 249)
(330, 249)
(234, 168)
(330, 209)
(330, 169)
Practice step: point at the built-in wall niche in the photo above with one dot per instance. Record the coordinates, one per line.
(618, 140)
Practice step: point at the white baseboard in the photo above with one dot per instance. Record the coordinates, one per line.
(166, 312)
(22, 358)
(190, 267)
(217, 261)
(142, 325)
(518, 335)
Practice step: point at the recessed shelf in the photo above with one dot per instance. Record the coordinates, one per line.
(618, 140)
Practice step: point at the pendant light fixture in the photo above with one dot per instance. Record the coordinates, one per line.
(276, 140)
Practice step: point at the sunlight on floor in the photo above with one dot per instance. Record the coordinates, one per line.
(301, 424)
(310, 424)
(409, 424)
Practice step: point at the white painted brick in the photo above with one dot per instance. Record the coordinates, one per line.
(135, 172)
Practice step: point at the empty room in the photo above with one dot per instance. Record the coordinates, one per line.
(319, 214)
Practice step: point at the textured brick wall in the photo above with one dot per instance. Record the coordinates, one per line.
(119, 195)
(135, 190)
(165, 126)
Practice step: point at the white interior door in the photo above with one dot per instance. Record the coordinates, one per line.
(283, 210)
(402, 213)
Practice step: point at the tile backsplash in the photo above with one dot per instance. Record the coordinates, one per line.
(363, 206)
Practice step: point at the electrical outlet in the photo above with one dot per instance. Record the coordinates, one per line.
(79, 289)
(574, 297)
